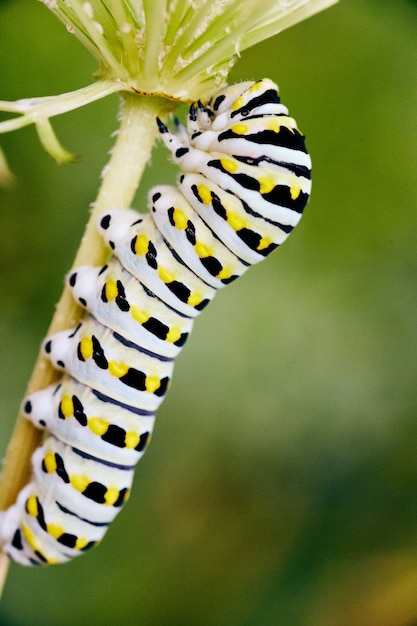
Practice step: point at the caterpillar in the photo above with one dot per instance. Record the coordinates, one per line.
(245, 180)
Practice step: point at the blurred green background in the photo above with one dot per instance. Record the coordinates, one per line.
(281, 484)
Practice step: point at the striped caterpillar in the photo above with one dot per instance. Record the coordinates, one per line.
(245, 179)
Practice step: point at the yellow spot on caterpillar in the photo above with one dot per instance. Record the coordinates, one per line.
(256, 86)
(180, 219)
(132, 439)
(111, 290)
(264, 243)
(173, 334)
(111, 496)
(50, 462)
(30, 538)
(139, 315)
(33, 543)
(141, 245)
(80, 543)
(152, 383)
(204, 193)
(79, 482)
(98, 425)
(165, 275)
(203, 250)
(266, 184)
(118, 369)
(32, 506)
(67, 406)
(229, 165)
(237, 104)
(274, 125)
(240, 129)
(283, 122)
(294, 192)
(194, 299)
(226, 272)
(236, 221)
(54, 530)
(86, 347)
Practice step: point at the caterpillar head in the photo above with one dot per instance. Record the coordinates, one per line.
(242, 101)
(229, 110)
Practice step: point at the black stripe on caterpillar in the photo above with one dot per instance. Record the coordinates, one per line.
(245, 179)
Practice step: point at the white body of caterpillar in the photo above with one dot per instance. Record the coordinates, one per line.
(246, 177)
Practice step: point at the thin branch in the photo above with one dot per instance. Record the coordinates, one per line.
(31, 109)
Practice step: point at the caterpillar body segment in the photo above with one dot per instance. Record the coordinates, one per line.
(104, 360)
(144, 253)
(90, 421)
(119, 301)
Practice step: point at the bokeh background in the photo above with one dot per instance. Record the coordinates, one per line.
(281, 483)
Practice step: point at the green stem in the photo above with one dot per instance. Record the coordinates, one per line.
(32, 109)
(120, 180)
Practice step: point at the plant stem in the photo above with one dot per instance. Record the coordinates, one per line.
(45, 107)
(120, 179)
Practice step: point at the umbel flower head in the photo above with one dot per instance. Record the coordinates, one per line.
(182, 49)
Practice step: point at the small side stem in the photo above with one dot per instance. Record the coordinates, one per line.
(120, 180)
(45, 107)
